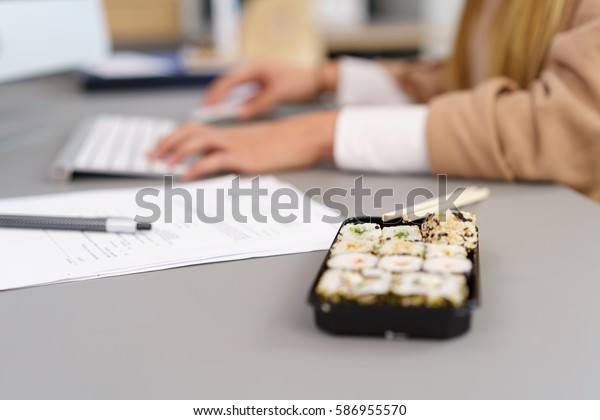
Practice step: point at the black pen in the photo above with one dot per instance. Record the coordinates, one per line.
(95, 224)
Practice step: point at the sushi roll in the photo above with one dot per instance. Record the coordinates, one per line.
(449, 216)
(452, 290)
(345, 247)
(375, 286)
(406, 291)
(451, 228)
(400, 263)
(465, 236)
(335, 284)
(448, 265)
(403, 233)
(352, 261)
(329, 284)
(444, 250)
(431, 290)
(395, 247)
(361, 231)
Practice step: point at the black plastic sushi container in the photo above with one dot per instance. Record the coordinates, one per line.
(351, 318)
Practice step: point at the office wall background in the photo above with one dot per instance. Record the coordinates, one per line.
(441, 15)
(157, 22)
(444, 16)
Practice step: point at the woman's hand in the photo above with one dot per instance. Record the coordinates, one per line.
(278, 83)
(296, 142)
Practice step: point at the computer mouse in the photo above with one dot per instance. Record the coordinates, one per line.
(230, 108)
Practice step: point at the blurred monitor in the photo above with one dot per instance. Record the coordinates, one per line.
(44, 36)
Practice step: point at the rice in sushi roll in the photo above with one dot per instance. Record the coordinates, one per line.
(406, 291)
(335, 284)
(449, 216)
(344, 247)
(403, 233)
(451, 290)
(445, 250)
(448, 265)
(329, 283)
(360, 231)
(395, 247)
(400, 263)
(431, 290)
(352, 261)
(451, 228)
(374, 285)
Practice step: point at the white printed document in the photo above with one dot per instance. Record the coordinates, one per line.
(210, 224)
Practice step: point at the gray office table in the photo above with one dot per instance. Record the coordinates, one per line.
(243, 329)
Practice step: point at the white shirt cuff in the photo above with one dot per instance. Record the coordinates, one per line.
(382, 139)
(364, 82)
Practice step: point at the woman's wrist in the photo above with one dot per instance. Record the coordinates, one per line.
(320, 129)
(316, 131)
(327, 75)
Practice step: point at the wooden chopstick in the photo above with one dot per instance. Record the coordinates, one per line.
(470, 195)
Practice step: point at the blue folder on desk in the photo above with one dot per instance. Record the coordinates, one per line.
(145, 71)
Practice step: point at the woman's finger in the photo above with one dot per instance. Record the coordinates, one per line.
(206, 165)
(165, 145)
(257, 105)
(216, 91)
(199, 144)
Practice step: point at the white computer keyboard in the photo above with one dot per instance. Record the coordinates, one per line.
(120, 144)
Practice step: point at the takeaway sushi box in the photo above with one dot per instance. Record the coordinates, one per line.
(415, 279)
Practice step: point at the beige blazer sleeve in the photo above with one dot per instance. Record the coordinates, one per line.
(549, 132)
(421, 80)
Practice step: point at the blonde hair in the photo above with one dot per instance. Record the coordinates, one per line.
(518, 40)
